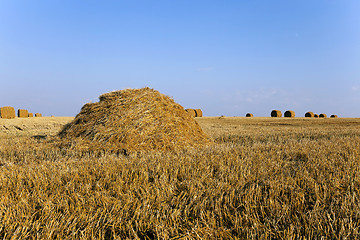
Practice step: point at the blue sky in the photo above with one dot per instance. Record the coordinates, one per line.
(226, 57)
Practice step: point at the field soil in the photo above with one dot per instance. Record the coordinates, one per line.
(262, 178)
(33, 126)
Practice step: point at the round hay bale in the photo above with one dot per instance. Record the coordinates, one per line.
(333, 116)
(134, 120)
(289, 113)
(276, 113)
(322, 115)
(38, 115)
(316, 115)
(191, 111)
(30, 115)
(198, 112)
(249, 115)
(309, 114)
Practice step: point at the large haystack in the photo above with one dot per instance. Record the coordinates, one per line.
(289, 113)
(7, 112)
(276, 113)
(135, 120)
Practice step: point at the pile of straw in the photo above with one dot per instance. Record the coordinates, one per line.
(135, 120)
(7, 112)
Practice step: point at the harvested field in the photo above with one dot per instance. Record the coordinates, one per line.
(263, 178)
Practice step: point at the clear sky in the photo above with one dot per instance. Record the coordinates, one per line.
(225, 57)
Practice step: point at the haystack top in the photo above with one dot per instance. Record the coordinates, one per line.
(135, 119)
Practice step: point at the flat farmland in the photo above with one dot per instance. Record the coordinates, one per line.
(263, 178)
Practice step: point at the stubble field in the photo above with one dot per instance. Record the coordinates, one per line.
(263, 178)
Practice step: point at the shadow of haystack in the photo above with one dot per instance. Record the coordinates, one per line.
(135, 120)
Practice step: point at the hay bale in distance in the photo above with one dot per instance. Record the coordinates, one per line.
(191, 111)
(23, 113)
(276, 113)
(38, 115)
(198, 112)
(309, 114)
(333, 116)
(316, 115)
(134, 120)
(289, 113)
(322, 115)
(249, 115)
(30, 115)
(7, 112)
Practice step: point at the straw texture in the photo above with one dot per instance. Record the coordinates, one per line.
(135, 120)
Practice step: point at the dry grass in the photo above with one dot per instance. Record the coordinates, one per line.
(264, 178)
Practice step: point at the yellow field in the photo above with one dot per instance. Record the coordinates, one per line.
(263, 178)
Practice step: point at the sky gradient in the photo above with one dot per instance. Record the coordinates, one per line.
(225, 57)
